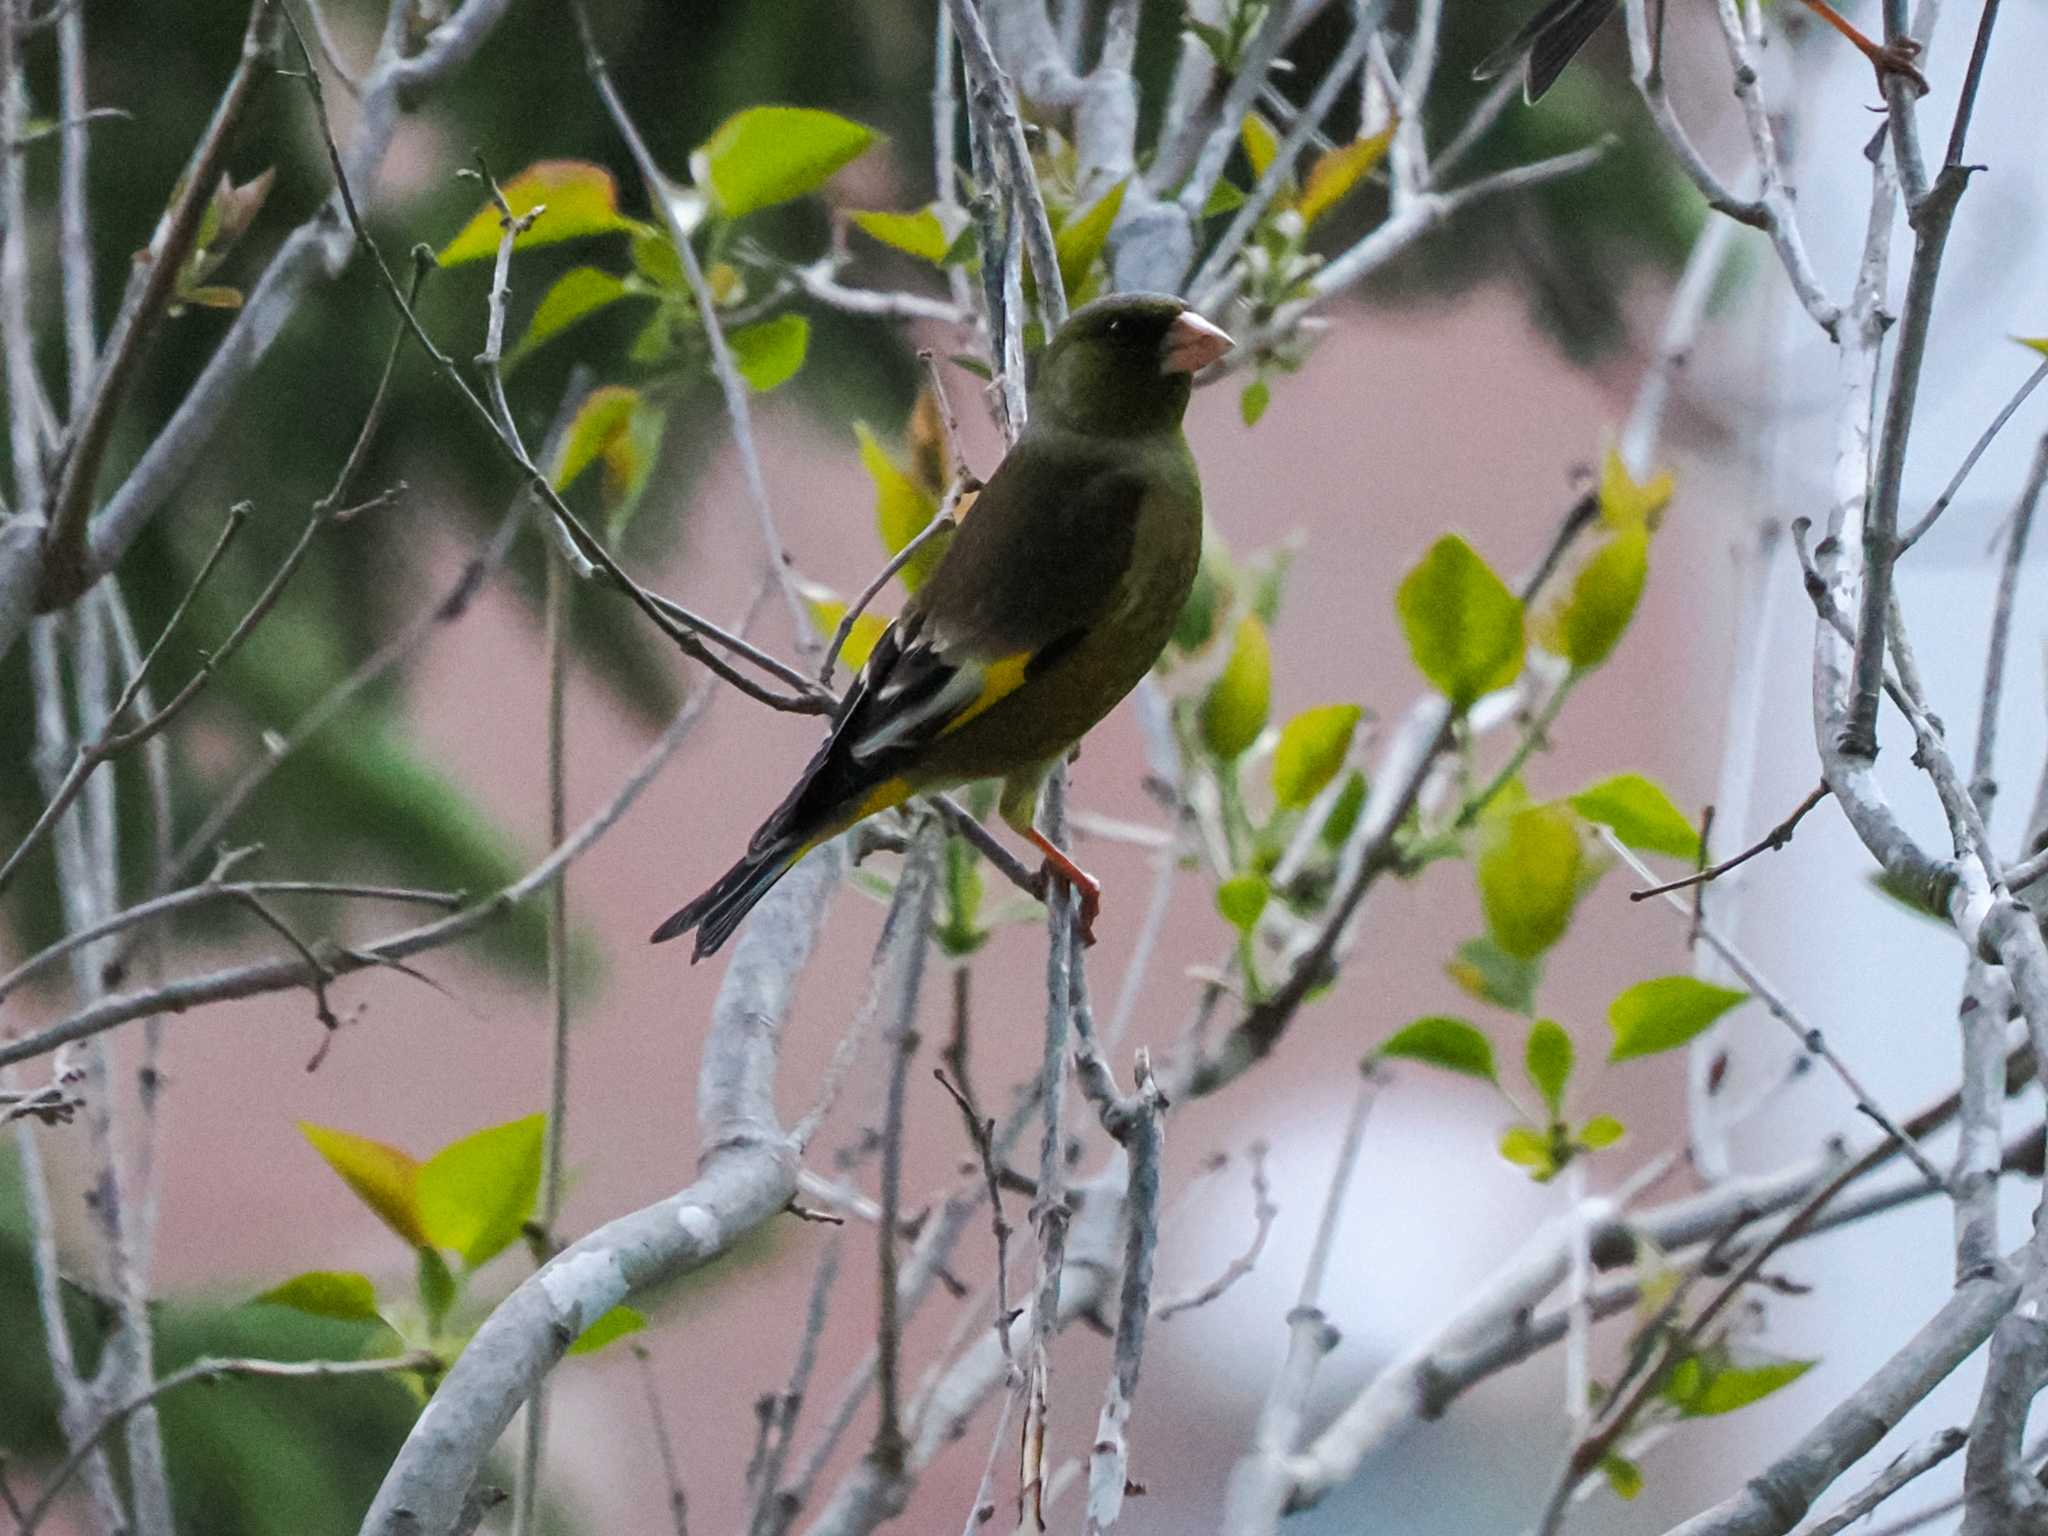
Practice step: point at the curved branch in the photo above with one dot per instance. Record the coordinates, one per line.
(747, 1175)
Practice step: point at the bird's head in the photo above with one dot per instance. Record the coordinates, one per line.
(1124, 365)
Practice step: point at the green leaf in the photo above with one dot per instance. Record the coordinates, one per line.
(770, 353)
(211, 296)
(1261, 144)
(1529, 878)
(1641, 815)
(1338, 170)
(768, 155)
(1241, 899)
(326, 1293)
(655, 258)
(579, 199)
(1527, 1147)
(383, 1178)
(436, 1287)
(1081, 239)
(613, 1325)
(1586, 626)
(902, 508)
(1344, 813)
(1224, 197)
(1623, 1475)
(1905, 895)
(1251, 405)
(1234, 709)
(1456, 1045)
(576, 295)
(620, 428)
(921, 234)
(2038, 343)
(1311, 751)
(1600, 1132)
(600, 419)
(475, 1194)
(1547, 1058)
(1659, 1015)
(1464, 626)
(1494, 976)
(1707, 1391)
(1627, 504)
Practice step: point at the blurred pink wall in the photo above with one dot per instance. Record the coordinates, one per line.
(1403, 425)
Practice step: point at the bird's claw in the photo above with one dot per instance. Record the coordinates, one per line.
(1084, 885)
(1896, 58)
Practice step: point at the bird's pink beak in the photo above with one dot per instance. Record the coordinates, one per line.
(1192, 344)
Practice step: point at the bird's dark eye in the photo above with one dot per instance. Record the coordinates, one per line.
(1119, 330)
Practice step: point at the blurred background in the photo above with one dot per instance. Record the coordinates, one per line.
(1472, 388)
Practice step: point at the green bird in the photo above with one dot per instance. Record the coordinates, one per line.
(1054, 597)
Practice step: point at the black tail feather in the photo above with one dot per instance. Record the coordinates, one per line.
(720, 910)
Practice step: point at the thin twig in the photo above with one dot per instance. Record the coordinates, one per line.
(981, 1132)
(1264, 1212)
(65, 558)
(214, 1369)
(1770, 842)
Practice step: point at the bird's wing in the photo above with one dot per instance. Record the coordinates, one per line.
(1014, 592)
(1546, 43)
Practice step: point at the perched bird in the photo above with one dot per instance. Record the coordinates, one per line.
(1552, 38)
(1054, 597)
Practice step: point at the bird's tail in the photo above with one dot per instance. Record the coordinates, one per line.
(721, 909)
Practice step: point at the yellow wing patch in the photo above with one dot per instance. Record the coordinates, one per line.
(999, 679)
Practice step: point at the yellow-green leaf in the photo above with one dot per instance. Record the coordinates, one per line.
(437, 1288)
(1456, 1045)
(922, 234)
(326, 1293)
(1311, 750)
(1344, 813)
(1659, 1015)
(1338, 170)
(576, 295)
(1547, 1058)
(1641, 815)
(1224, 197)
(1081, 239)
(211, 296)
(578, 198)
(770, 353)
(1251, 405)
(655, 258)
(1261, 144)
(613, 1325)
(1527, 1147)
(1600, 1132)
(1529, 878)
(902, 508)
(1623, 1475)
(601, 417)
(1234, 709)
(1709, 1390)
(383, 1178)
(475, 1194)
(2038, 343)
(768, 155)
(827, 609)
(1464, 626)
(1494, 976)
(1590, 622)
(1626, 504)
(1241, 899)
